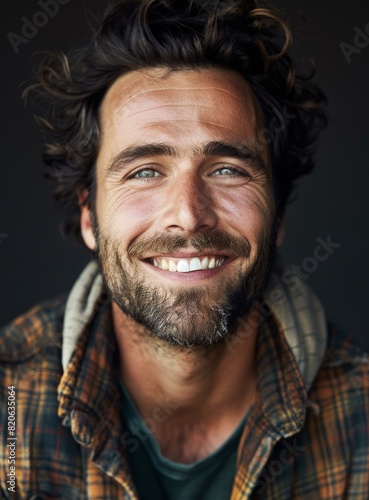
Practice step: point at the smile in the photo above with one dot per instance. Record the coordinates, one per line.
(188, 265)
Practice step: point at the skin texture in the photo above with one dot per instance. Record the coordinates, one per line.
(183, 201)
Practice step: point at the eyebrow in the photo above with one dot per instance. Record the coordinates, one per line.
(239, 151)
(213, 148)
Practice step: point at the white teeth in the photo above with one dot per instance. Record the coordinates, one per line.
(172, 266)
(186, 266)
(195, 264)
(183, 266)
(204, 263)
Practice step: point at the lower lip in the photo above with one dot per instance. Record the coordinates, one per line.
(191, 276)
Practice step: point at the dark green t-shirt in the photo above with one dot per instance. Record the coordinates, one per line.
(158, 478)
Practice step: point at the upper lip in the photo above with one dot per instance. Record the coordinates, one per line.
(190, 255)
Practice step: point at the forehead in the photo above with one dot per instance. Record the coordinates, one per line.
(145, 100)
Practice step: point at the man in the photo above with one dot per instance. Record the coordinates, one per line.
(185, 363)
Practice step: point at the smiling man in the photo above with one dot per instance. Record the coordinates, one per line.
(186, 363)
(184, 221)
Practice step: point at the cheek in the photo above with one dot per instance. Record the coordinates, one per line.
(249, 211)
(127, 215)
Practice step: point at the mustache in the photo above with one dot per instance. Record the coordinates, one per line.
(215, 240)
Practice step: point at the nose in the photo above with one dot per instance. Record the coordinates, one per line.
(188, 207)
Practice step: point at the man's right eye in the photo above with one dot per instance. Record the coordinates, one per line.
(146, 173)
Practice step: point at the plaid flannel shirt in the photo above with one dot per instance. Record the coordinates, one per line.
(295, 445)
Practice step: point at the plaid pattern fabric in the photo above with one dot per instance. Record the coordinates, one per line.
(295, 445)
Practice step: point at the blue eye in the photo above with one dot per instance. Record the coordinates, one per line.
(226, 171)
(147, 173)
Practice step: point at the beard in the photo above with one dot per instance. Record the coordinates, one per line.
(198, 316)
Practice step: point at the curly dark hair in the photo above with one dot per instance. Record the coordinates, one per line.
(176, 34)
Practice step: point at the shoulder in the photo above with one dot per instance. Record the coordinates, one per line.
(30, 350)
(345, 363)
(28, 334)
(347, 359)
(345, 351)
(30, 347)
(30, 373)
(341, 387)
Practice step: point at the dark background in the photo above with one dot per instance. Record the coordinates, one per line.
(36, 263)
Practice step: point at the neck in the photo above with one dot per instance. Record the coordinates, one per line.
(197, 382)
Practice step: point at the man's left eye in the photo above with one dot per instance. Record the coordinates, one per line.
(227, 171)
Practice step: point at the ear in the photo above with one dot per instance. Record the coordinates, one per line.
(281, 232)
(85, 221)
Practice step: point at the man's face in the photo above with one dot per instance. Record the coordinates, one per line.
(185, 212)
